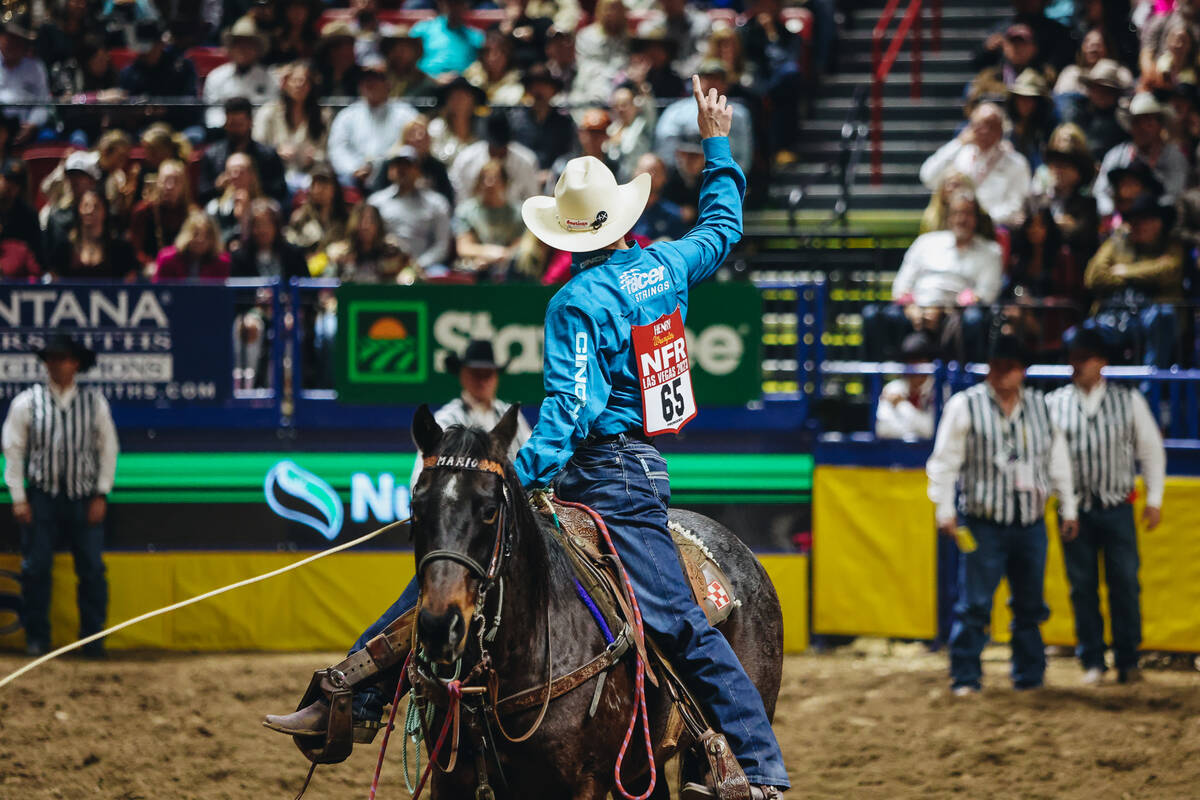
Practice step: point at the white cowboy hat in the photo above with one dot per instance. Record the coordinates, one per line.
(589, 209)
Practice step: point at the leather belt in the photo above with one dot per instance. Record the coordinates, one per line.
(636, 434)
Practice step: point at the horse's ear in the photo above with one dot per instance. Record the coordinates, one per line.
(506, 429)
(426, 433)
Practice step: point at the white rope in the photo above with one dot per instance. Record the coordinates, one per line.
(193, 600)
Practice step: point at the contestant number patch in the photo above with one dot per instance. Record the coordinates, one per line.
(665, 374)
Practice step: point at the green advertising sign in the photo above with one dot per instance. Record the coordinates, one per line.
(393, 341)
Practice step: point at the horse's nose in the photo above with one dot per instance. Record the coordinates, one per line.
(441, 634)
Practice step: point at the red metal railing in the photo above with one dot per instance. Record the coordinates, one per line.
(881, 65)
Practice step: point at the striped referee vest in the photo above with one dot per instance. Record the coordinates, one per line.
(994, 446)
(1102, 446)
(64, 448)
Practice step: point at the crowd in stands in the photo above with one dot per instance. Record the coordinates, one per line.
(283, 138)
(1071, 195)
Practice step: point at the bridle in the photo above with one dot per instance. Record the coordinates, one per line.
(501, 548)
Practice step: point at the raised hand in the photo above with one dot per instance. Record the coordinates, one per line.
(713, 111)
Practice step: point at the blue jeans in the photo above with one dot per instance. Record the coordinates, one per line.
(1016, 551)
(1111, 530)
(948, 557)
(626, 482)
(56, 518)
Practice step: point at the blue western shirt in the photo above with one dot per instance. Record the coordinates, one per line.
(591, 379)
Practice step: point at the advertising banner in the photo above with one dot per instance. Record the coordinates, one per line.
(393, 341)
(156, 346)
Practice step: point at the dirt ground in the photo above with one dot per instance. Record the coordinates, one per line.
(870, 721)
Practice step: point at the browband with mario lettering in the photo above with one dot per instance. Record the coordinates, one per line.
(464, 462)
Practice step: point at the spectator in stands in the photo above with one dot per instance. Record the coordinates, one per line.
(1147, 131)
(652, 58)
(661, 220)
(243, 76)
(1001, 175)
(119, 175)
(418, 218)
(1099, 114)
(997, 442)
(936, 215)
(561, 58)
(402, 52)
(367, 254)
(18, 220)
(1033, 116)
(298, 33)
(17, 262)
(1020, 54)
(157, 220)
(456, 124)
(777, 54)
(689, 28)
(725, 45)
(1052, 38)
(86, 71)
(1184, 102)
(1135, 276)
(1158, 53)
(526, 34)
(547, 131)
(519, 162)
(335, 62)
(592, 137)
(1177, 62)
(433, 172)
(602, 52)
(60, 37)
(162, 70)
(161, 143)
(905, 408)
(450, 44)
(79, 172)
(23, 80)
(239, 187)
(1071, 90)
(943, 272)
(1062, 184)
(321, 219)
(679, 119)
(363, 131)
(631, 134)
(1041, 277)
(494, 72)
(295, 126)
(196, 255)
(91, 249)
(238, 125)
(1129, 183)
(1109, 431)
(262, 251)
(683, 179)
(487, 225)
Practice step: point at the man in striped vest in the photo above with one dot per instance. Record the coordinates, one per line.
(1108, 428)
(60, 454)
(997, 442)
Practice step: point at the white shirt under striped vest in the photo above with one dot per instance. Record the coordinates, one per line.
(999, 468)
(1109, 429)
(61, 441)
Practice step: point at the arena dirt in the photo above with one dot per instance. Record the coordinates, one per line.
(871, 721)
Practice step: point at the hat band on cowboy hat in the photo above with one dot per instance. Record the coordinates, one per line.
(589, 210)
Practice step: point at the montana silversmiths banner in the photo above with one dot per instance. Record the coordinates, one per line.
(155, 345)
(393, 341)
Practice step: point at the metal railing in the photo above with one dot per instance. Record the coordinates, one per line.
(881, 67)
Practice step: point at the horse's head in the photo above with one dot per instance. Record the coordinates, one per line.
(458, 523)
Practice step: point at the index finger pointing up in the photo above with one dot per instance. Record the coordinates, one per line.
(696, 89)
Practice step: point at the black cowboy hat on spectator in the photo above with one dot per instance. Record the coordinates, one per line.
(918, 347)
(1007, 346)
(146, 34)
(1151, 205)
(238, 105)
(497, 129)
(63, 345)
(1140, 171)
(1079, 159)
(479, 355)
(461, 84)
(1089, 342)
(540, 73)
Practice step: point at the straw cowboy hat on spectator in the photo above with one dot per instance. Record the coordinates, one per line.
(245, 30)
(1145, 104)
(1105, 73)
(1029, 84)
(589, 210)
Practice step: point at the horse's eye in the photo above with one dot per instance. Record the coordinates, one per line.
(490, 513)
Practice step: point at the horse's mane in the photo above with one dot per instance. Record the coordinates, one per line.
(460, 440)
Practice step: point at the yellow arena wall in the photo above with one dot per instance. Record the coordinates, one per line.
(322, 606)
(874, 562)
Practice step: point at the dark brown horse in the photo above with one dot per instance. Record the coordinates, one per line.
(467, 519)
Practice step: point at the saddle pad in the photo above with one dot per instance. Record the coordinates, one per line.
(710, 586)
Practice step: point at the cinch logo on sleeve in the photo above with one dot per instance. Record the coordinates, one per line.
(642, 285)
(581, 365)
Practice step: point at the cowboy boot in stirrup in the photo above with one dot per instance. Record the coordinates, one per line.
(726, 780)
